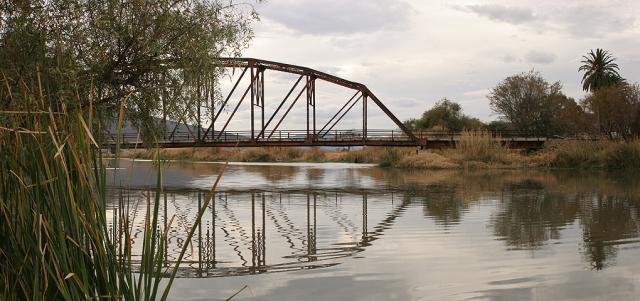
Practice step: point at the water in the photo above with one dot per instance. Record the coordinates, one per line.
(354, 232)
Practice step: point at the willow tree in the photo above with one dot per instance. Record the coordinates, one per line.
(139, 55)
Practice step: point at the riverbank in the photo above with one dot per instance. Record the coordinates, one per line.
(472, 152)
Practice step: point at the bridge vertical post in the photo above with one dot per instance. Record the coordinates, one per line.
(253, 94)
(164, 115)
(199, 102)
(308, 100)
(313, 100)
(364, 117)
(262, 100)
(212, 94)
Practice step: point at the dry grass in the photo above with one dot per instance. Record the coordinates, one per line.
(426, 160)
(480, 146)
(595, 154)
(474, 150)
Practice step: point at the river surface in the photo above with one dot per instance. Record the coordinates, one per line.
(358, 232)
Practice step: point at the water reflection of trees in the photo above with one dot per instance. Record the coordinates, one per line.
(443, 204)
(533, 207)
(530, 216)
(608, 221)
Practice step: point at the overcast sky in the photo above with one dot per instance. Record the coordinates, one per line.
(413, 53)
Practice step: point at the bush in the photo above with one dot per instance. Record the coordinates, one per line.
(622, 156)
(575, 153)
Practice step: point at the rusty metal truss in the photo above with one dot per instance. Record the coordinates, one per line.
(268, 133)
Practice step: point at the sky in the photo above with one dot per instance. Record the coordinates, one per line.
(413, 53)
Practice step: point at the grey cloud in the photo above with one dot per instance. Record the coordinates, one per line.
(508, 58)
(582, 20)
(539, 57)
(337, 16)
(512, 15)
(593, 21)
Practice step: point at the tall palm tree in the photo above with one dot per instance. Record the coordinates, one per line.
(599, 70)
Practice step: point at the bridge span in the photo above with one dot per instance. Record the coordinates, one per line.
(335, 138)
(193, 129)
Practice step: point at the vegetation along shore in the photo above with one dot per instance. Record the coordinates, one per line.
(474, 150)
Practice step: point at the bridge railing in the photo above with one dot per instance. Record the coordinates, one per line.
(302, 136)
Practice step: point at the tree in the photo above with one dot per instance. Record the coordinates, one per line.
(616, 109)
(599, 70)
(570, 118)
(445, 115)
(527, 101)
(138, 54)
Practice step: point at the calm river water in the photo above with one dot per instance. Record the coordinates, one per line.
(357, 232)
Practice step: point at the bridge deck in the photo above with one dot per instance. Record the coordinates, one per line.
(337, 138)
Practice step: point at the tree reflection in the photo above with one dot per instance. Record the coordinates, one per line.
(534, 208)
(607, 222)
(443, 204)
(531, 216)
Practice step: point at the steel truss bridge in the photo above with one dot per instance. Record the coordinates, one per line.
(267, 131)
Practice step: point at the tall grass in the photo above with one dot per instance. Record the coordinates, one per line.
(55, 243)
(480, 146)
(596, 154)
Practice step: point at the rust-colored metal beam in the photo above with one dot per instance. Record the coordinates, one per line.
(236, 109)
(390, 115)
(339, 111)
(280, 106)
(225, 101)
(306, 86)
(337, 120)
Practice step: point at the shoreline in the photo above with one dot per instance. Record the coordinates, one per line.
(479, 154)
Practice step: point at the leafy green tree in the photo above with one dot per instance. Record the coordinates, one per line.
(600, 70)
(445, 115)
(527, 101)
(138, 54)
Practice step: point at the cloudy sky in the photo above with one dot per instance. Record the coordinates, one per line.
(413, 53)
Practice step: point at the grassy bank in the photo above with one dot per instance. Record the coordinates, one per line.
(475, 150)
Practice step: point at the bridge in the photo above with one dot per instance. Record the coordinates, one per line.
(265, 127)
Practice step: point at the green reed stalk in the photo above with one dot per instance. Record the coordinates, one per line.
(55, 242)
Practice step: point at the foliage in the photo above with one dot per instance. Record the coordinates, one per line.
(599, 70)
(569, 118)
(596, 154)
(56, 243)
(529, 102)
(143, 55)
(576, 153)
(500, 126)
(616, 109)
(623, 156)
(446, 115)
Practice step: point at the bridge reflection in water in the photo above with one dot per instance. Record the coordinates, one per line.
(258, 232)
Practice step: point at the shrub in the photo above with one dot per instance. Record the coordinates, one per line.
(576, 153)
(622, 155)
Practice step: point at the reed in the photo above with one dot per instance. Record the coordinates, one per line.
(56, 243)
(480, 146)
